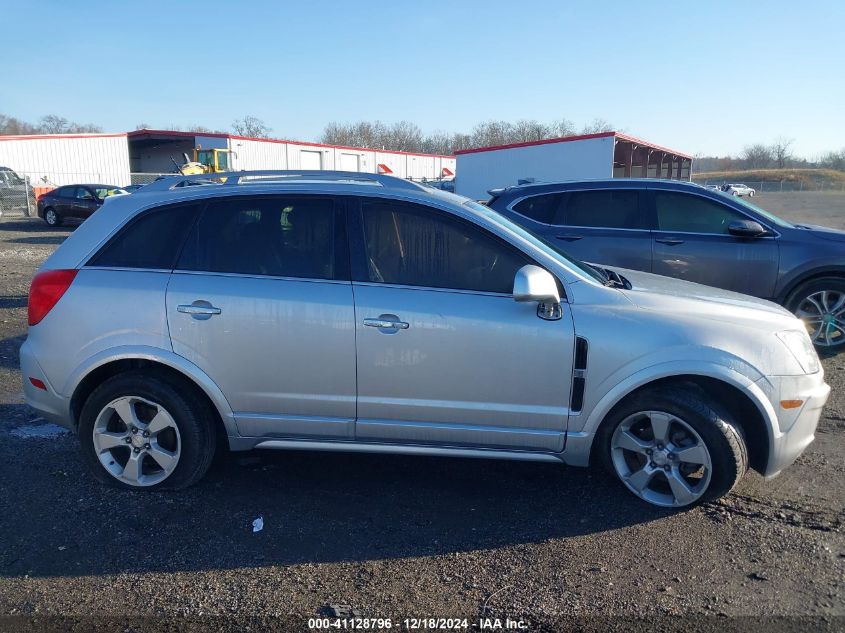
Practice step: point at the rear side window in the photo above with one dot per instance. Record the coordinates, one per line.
(540, 208)
(280, 236)
(151, 241)
(412, 245)
(612, 209)
(688, 213)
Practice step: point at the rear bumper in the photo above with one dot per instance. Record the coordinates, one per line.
(47, 402)
(796, 427)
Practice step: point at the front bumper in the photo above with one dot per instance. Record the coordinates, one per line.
(795, 427)
(47, 402)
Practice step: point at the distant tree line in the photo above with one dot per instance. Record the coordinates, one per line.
(777, 155)
(49, 124)
(405, 136)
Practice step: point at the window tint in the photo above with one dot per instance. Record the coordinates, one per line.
(65, 192)
(151, 241)
(692, 214)
(613, 209)
(279, 236)
(540, 208)
(415, 246)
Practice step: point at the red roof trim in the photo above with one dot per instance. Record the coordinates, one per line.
(35, 137)
(566, 139)
(562, 139)
(279, 140)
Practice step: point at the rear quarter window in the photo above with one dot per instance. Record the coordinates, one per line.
(152, 240)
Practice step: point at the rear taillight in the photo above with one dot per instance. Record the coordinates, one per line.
(46, 290)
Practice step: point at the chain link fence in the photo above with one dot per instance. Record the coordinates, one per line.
(777, 186)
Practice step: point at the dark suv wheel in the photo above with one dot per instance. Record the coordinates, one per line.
(820, 303)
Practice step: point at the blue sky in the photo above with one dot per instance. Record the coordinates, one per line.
(703, 77)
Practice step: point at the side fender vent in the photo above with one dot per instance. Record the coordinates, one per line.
(579, 375)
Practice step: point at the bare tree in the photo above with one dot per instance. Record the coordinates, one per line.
(780, 151)
(142, 126)
(597, 126)
(251, 126)
(562, 127)
(526, 130)
(757, 156)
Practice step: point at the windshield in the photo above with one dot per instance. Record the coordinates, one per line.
(551, 249)
(766, 214)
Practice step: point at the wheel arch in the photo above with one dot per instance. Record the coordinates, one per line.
(86, 379)
(730, 390)
(834, 270)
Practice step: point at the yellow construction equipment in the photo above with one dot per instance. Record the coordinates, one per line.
(206, 161)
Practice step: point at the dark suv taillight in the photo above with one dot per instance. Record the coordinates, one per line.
(46, 290)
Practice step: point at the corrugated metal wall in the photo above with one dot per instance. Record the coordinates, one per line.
(68, 159)
(257, 154)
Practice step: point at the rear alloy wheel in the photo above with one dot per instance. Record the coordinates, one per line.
(820, 304)
(52, 218)
(672, 447)
(141, 430)
(137, 441)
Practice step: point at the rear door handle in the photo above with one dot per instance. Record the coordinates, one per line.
(570, 238)
(200, 310)
(670, 241)
(387, 322)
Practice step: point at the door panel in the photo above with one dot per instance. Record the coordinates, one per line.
(743, 265)
(281, 350)
(470, 369)
(622, 248)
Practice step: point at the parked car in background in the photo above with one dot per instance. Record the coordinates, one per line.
(74, 201)
(713, 187)
(683, 230)
(739, 190)
(14, 191)
(344, 311)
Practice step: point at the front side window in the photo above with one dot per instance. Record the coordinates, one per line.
(151, 241)
(277, 236)
(612, 209)
(82, 193)
(686, 213)
(412, 245)
(542, 208)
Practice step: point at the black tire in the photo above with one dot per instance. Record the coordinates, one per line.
(192, 416)
(718, 430)
(58, 221)
(808, 288)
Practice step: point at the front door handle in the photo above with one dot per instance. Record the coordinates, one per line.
(671, 241)
(387, 322)
(200, 310)
(570, 238)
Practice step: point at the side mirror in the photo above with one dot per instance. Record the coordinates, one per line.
(746, 228)
(532, 283)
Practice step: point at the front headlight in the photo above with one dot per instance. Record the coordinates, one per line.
(798, 342)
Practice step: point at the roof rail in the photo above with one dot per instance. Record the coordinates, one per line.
(274, 176)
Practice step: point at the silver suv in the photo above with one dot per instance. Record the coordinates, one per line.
(357, 312)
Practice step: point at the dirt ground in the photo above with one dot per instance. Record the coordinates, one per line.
(397, 537)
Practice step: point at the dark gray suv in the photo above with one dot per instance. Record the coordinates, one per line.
(683, 230)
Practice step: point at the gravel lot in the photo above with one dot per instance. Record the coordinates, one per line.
(403, 537)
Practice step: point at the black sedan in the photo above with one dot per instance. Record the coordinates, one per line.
(74, 201)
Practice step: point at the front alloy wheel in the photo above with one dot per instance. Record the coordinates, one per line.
(823, 312)
(137, 441)
(661, 459)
